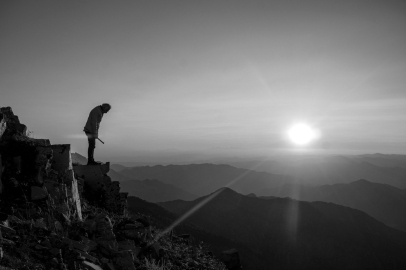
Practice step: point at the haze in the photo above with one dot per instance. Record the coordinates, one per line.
(199, 76)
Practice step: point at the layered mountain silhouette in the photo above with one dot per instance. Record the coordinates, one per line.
(322, 170)
(118, 167)
(383, 202)
(291, 234)
(150, 190)
(202, 179)
(383, 160)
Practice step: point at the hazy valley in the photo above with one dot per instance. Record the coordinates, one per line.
(335, 222)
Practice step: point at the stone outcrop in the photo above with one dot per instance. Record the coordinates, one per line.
(35, 173)
(99, 189)
(34, 170)
(10, 124)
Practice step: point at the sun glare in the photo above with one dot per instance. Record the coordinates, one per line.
(302, 134)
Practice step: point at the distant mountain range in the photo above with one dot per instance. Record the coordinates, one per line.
(301, 169)
(322, 170)
(202, 179)
(150, 190)
(383, 202)
(118, 167)
(291, 234)
(382, 160)
(78, 159)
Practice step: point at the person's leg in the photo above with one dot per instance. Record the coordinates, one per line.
(90, 151)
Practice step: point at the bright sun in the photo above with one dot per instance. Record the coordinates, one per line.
(302, 134)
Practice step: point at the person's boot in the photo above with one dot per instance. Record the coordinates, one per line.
(92, 162)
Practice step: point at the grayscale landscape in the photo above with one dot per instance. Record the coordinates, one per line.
(211, 134)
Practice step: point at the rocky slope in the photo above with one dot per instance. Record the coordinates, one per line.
(54, 215)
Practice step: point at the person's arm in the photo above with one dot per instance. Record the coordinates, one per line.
(98, 118)
(95, 119)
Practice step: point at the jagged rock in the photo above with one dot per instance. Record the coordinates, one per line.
(10, 124)
(62, 164)
(99, 189)
(34, 167)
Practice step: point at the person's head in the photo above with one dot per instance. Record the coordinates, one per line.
(106, 107)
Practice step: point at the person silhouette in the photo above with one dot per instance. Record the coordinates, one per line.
(92, 129)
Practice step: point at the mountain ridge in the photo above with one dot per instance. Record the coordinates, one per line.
(296, 234)
(202, 179)
(151, 190)
(384, 202)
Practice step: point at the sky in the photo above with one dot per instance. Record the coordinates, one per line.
(207, 75)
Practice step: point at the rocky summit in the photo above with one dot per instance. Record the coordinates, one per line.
(59, 215)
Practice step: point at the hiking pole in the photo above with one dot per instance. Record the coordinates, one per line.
(100, 141)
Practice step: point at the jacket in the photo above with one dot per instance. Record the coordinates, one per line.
(93, 122)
